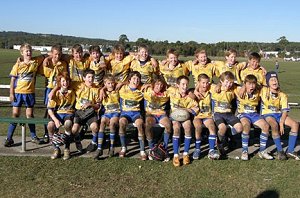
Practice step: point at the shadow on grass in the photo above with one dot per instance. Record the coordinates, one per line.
(268, 193)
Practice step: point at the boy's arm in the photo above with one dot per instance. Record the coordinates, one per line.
(282, 121)
(11, 89)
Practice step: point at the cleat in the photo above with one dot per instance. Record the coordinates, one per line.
(149, 156)
(143, 156)
(56, 154)
(91, 147)
(98, 153)
(122, 153)
(294, 155)
(176, 161)
(245, 156)
(167, 157)
(66, 154)
(186, 160)
(265, 155)
(196, 154)
(213, 155)
(36, 140)
(79, 147)
(281, 156)
(8, 143)
(46, 138)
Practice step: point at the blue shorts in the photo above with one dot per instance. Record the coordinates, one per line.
(252, 117)
(27, 99)
(276, 116)
(131, 116)
(110, 115)
(46, 99)
(157, 117)
(225, 118)
(62, 117)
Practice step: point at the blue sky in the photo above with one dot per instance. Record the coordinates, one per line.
(201, 21)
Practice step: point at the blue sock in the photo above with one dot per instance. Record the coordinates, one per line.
(100, 139)
(122, 140)
(150, 143)
(142, 143)
(245, 141)
(166, 139)
(11, 130)
(112, 139)
(292, 141)
(176, 144)
(95, 138)
(187, 143)
(32, 130)
(212, 141)
(198, 144)
(277, 143)
(263, 138)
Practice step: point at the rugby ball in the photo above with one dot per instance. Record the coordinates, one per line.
(180, 115)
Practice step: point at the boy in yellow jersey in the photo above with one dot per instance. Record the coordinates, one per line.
(247, 113)
(180, 99)
(52, 67)
(254, 68)
(230, 64)
(202, 65)
(171, 69)
(155, 101)
(130, 102)
(87, 98)
(61, 110)
(98, 64)
(22, 90)
(144, 65)
(222, 108)
(204, 117)
(275, 108)
(111, 105)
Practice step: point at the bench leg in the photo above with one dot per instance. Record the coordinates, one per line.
(23, 138)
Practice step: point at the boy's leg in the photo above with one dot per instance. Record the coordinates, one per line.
(34, 138)
(187, 126)
(198, 130)
(245, 137)
(123, 122)
(150, 121)
(93, 144)
(141, 136)
(292, 138)
(11, 128)
(176, 135)
(167, 124)
(114, 122)
(209, 123)
(75, 133)
(68, 131)
(264, 126)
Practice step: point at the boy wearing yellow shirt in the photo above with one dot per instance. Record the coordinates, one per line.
(98, 64)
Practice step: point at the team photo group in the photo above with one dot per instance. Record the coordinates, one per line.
(106, 93)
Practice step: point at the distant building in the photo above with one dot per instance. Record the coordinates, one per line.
(270, 53)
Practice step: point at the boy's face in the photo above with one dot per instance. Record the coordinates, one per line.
(56, 56)
(109, 84)
(143, 54)
(158, 86)
(250, 87)
(26, 53)
(88, 79)
(273, 83)
(64, 83)
(231, 59)
(134, 82)
(202, 58)
(173, 59)
(227, 84)
(204, 84)
(119, 56)
(77, 55)
(95, 56)
(183, 86)
(254, 63)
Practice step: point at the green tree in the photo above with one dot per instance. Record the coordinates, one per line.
(123, 39)
(283, 42)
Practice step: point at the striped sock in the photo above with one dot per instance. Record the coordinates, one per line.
(142, 143)
(95, 138)
(176, 144)
(187, 143)
(123, 140)
(198, 144)
(245, 141)
(166, 139)
(112, 139)
(100, 139)
(292, 141)
(212, 141)
(277, 143)
(263, 141)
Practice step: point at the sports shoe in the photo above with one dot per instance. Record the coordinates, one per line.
(56, 154)
(122, 153)
(265, 155)
(149, 156)
(36, 140)
(111, 152)
(213, 155)
(98, 153)
(79, 147)
(143, 156)
(186, 160)
(91, 147)
(9, 143)
(221, 149)
(245, 156)
(46, 138)
(281, 155)
(196, 154)
(176, 161)
(167, 157)
(66, 154)
(294, 155)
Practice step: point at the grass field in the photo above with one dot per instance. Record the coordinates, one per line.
(114, 177)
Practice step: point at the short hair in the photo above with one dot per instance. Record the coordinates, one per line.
(108, 77)
(203, 76)
(118, 49)
(64, 75)
(25, 46)
(143, 47)
(94, 48)
(180, 78)
(134, 73)
(250, 79)
(88, 71)
(254, 55)
(172, 51)
(56, 47)
(77, 48)
(226, 76)
(230, 51)
(159, 79)
(200, 51)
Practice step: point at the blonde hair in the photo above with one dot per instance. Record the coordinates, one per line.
(118, 49)
(108, 77)
(226, 76)
(230, 51)
(172, 51)
(25, 46)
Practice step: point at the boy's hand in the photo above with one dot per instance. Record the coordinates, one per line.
(281, 128)
(47, 61)
(164, 62)
(195, 62)
(154, 62)
(264, 70)
(57, 123)
(242, 92)
(145, 87)
(218, 88)
(11, 97)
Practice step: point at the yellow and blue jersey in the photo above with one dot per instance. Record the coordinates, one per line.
(171, 76)
(63, 103)
(146, 69)
(25, 74)
(208, 69)
(273, 103)
(99, 71)
(111, 102)
(205, 110)
(120, 69)
(258, 73)
(130, 99)
(52, 71)
(155, 104)
(249, 103)
(85, 95)
(222, 67)
(76, 69)
(222, 102)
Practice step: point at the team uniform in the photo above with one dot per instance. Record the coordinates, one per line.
(222, 67)
(76, 69)
(208, 69)
(258, 73)
(171, 76)
(99, 71)
(120, 69)
(146, 69)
